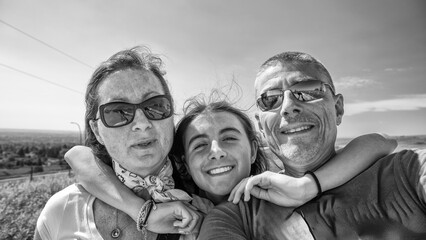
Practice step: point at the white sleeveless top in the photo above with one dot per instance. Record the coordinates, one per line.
(68, 215)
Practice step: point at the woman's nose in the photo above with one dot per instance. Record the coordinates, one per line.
(141, 122)
(216, 152)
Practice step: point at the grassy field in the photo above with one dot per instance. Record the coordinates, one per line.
(21, 203)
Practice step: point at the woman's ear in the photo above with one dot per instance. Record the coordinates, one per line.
(95, 130)
(254, 149)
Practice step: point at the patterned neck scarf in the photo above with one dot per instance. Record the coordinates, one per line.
(161, 187)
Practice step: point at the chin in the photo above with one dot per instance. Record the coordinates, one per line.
(298, 155)
(222, 192)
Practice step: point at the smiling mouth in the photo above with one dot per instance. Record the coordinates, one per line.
(220, 170)
(298, 130)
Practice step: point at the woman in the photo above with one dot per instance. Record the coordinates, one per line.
(129, 124)
(216, 146)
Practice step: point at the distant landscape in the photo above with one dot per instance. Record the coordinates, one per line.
(22, 199)
(23, 152)
(404, 142)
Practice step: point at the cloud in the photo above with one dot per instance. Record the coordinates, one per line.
(398, 69)
(401, 103)
(351, 82)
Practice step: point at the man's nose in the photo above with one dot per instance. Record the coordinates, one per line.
(216, 152)
(290, 106)
(141, 122)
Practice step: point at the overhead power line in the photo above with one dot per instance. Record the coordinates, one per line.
(40, 78)
(46, 44)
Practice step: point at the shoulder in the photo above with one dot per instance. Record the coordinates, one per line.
(60, 198)
(202, 204)
(71, 197)
(257, 208)
(407, 160)
(224, 221)
(253, 218)
(66, 195)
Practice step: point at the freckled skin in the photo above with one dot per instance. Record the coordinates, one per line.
(218, 149)
(308, 150)
(134, 86)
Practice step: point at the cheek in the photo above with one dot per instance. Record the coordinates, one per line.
(327, 116)
(114, 143)
(270, 120)
(243, 154)
(195, 168)
(166, 131)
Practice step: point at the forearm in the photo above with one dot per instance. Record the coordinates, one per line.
(354, 158)
(100, 180)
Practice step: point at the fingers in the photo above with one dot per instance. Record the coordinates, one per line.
(258, 181)
(193, 225)
(252, 181)
(238, 190)
(187, 220)
(259, 193)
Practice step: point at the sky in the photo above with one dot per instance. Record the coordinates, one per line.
(375, 51)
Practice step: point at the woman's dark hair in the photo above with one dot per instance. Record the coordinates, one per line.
(196, 106)
(138, 57)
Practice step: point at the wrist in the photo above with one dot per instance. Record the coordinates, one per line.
(316, 183)
(309, 186)
(134, 206)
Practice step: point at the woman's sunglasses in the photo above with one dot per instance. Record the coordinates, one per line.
(303, 91)
(118, 114)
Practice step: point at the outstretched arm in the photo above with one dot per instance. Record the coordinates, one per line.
(99, 179)
(354, 158)
(284, 190)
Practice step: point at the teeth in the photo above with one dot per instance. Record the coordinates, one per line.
(297, 129)
(145, 143)
(220, 170)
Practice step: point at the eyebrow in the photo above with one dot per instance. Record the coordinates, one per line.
(196, 137)
(147, 95)
(228, 129)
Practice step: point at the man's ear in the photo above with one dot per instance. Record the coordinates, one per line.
(95, 130)
(339, 106)
(256, 115)
(254, 149)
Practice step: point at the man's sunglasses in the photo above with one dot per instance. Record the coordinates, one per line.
(303, 91)
(118, 114)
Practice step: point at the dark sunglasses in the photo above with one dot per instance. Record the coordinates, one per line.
(303, 91)
(118, 114)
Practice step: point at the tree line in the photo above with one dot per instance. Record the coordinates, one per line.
(15, 155)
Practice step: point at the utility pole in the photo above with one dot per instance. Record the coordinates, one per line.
(81, 142)
(79, 131)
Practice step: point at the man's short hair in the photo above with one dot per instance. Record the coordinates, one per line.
(295, 58)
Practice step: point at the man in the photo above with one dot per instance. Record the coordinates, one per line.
(299, 114)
